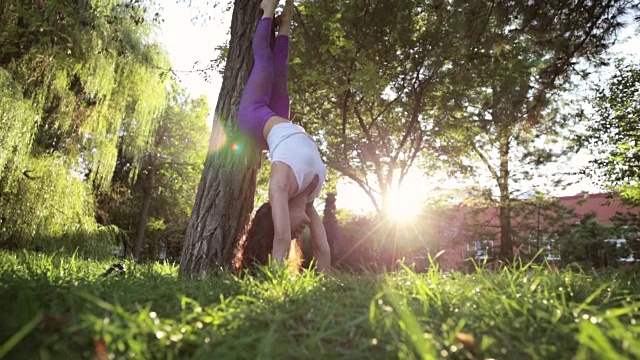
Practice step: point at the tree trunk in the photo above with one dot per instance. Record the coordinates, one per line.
(331, 225)
(506, 242)
(383, 212)
(148, 183)
(225, 195)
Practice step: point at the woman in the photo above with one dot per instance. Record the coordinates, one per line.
(297, 171)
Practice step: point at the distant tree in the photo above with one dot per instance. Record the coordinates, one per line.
(584, 244)
(538, 221)
(517, 59)
(173, 165)
(612, 132)
(171, 169)
(330, 222)
(163, 191)
(368, 82)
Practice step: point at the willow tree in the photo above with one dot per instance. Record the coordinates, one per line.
(90, 73)
(72, 84)
(518, 59)
(225, 195)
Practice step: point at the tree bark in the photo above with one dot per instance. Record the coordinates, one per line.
(331, 225)
(226, 192)
(148, 183)
(384, 195)
(506, 241)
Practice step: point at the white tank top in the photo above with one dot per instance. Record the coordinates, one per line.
(290, 144)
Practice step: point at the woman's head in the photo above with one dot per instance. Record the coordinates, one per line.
(258, 242)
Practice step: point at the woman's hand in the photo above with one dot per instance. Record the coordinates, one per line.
(319, 243)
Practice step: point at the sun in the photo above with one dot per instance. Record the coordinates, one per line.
(404, 204)
(403, 210)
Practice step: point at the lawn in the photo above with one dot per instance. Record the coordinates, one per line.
(60, 307)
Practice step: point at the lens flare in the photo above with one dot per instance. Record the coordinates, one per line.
(218, 137)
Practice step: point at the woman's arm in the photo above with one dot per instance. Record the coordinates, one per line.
(320, 245)
(279, 199)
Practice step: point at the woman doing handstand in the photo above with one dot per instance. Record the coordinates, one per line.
(297, 171)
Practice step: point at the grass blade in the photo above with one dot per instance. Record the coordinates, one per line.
(21, 334)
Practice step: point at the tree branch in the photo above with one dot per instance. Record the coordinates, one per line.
(415, 115)
(416, 150)
(363, 184)
(484, 159)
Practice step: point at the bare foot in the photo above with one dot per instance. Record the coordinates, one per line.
(269, 8)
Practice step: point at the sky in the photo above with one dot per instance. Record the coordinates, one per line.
(190, 42)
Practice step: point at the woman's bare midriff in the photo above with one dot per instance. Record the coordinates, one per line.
(275, 120)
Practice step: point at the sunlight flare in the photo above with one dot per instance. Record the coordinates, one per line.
(218, 137)
(403, 209)
(404, 203)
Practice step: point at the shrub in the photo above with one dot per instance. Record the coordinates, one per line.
(49, 208)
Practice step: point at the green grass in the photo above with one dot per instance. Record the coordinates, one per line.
(59, 307)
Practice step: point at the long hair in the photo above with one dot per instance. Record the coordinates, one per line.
(257, 245)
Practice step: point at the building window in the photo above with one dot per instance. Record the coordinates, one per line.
(551, 251)
(480, 249)
(451, 232)
(622, 250)
(544, 245)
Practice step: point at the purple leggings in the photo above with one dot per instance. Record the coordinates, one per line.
(265, 94)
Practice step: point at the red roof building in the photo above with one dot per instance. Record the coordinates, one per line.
(452, 234)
